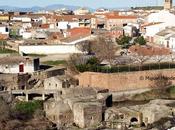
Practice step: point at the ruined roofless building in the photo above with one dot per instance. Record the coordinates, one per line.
(168, 4)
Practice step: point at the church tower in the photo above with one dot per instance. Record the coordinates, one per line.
(168, 4)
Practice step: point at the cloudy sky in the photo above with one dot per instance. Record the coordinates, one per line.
(83, 3)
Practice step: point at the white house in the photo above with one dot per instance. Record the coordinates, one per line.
(152, 29)
(4, 30)
(21, 19)
(64, 25)
(81, 11)
(18, 64)
(49, 49)
(42, 19)
(157, 22)
(64, 48)
(166, 38)
(162, 16)
(172, 42)
(130, 30)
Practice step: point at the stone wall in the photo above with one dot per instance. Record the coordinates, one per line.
(128, 80)
(13, 81)
(87, 114)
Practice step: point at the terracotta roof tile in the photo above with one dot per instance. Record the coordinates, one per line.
(79, 31)
(149, 50)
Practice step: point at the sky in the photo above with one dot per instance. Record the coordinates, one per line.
(82, 3)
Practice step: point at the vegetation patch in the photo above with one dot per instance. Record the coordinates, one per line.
(171, 91)
(36, 55)
(5, 50)
(28, 107)
(55, 63)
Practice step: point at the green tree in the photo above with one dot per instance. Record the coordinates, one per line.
(13, 33)
(140, 40)
(124, 40)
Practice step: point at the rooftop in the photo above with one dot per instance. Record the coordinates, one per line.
(149, 50)
(14, 60)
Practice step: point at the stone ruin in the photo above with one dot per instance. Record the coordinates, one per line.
(83, 107)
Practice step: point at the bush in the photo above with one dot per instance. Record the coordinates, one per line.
(94, 67)
(171, 90)
(93, 61)
(5, 50)
(140, 40)
(25, 110)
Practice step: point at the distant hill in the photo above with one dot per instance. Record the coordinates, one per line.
(149, 8)
(50, 7)
(38, 8)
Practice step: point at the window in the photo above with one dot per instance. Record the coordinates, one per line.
(6, 30)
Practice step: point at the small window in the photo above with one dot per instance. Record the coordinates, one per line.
(56, 85)
(49, 84)
(6, 30)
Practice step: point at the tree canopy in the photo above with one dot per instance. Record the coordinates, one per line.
(140, 40)
(123, 40)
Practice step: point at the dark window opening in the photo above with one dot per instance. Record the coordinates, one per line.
(109, 101)
(134, 119)
(6, 30)
(23, 87)
(143, 124)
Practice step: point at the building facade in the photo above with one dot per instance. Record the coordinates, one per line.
(168, 4)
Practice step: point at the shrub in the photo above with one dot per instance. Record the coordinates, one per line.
(25, 110)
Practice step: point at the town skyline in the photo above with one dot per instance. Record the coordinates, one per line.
(83, 3)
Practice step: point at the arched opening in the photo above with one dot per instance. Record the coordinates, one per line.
(134, 119)
(2, 88)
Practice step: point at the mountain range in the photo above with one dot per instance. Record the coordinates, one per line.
(48, 8)
(38, 8)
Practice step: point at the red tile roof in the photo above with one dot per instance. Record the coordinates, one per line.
(150, 24)
(149, 50)
(72, 17)
(79, 31)
(44, 26)
(116, 16)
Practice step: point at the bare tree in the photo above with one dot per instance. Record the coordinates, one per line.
(159, 58)
(104, 49)
(75, 59)
(85, 46)
(141, 59)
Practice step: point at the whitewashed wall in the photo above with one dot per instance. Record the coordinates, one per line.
(172, 43)
(49, 49)
(64, 25)
(28, 68)
(3, 30)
